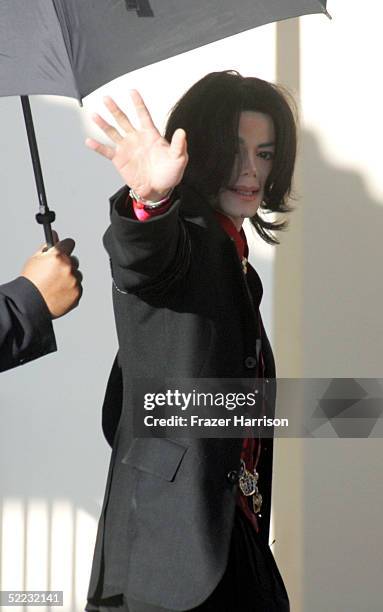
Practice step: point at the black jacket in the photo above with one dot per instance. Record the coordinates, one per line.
(26, 330)
(182, 309)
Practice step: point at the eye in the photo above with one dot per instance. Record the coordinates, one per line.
(267, 155)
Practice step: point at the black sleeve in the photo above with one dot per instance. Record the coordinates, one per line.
(148, 255)
(26, 330)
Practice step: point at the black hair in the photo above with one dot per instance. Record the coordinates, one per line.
(209, 112)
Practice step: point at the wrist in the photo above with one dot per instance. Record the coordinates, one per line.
(154, 201)
(156, 196)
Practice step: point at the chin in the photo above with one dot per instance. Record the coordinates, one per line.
(243, 212)
(230, 205)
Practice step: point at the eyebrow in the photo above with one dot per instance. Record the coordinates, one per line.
(264, 144)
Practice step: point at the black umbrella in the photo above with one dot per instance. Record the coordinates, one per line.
(71, 47)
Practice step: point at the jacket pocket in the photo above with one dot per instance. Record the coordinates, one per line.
(159, 456)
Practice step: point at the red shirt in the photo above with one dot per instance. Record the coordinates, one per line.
(251, 448)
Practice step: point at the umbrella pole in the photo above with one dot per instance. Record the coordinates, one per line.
(45, 216)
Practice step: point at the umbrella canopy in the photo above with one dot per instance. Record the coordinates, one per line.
(71, 47)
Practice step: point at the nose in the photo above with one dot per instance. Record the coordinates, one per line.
(248, 165)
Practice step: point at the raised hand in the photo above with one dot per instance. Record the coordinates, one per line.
(145, 160)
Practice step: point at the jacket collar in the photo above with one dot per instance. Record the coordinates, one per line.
(239, 237)
(194, 206)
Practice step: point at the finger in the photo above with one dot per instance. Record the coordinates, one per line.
(118, 114)
(178, 145)
(78, 275)
(103, 150)
(76, 303)
(108, 129)
(75, 262)
(143, 114)
(65, 246)
(44, 248)
(80, 292)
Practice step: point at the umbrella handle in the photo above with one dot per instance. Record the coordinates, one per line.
(45, 216)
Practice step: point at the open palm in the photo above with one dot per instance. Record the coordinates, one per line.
(145, 160)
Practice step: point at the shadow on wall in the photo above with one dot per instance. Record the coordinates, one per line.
(342, 278)
(342, 489)
(327, 494)
(343, 337)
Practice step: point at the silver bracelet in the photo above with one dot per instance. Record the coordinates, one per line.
(149, 203)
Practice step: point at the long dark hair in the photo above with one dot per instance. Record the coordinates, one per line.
(209, 112)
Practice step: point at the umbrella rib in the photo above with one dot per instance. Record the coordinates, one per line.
(324, 9)
(61, 18)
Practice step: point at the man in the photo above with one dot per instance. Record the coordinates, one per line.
(48, 287)
(175, 532)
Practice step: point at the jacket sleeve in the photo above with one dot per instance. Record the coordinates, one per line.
(145, 256)
(26, 330)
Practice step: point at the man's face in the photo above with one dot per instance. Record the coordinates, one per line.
(253, 163)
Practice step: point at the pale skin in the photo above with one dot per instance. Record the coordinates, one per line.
(152, 167)
(254, 162)
(55, 274)
(145, 160)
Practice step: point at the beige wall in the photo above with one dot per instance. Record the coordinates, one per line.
(328, 299)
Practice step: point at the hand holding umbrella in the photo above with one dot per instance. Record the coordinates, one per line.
(55, 273)
(145, 160)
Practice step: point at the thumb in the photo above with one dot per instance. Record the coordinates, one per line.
(65, 246)
(44, 248)
(178, 144)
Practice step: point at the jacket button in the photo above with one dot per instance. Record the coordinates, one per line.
(250, 362)
(233, 476)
